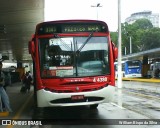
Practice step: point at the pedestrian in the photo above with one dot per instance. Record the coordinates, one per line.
(4, 99)
(7, 80)
(27, 81)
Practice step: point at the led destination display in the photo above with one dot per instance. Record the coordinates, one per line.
(71, 28)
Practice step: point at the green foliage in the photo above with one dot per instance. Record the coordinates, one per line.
(114, 38)
(143, 36)
(142, 24)
(151, 38)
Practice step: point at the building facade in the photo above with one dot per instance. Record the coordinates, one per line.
(153, 17)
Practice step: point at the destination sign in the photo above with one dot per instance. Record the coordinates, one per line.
(50, 29)
(81, 28)
(71, 28)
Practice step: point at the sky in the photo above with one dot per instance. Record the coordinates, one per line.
(82, 9)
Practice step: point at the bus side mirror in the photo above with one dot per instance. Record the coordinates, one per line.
(115, 51)
(31, 48)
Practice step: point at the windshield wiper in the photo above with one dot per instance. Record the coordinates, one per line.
(63, 42)
(89, 37)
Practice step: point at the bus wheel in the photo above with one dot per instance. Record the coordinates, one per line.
(94, 106)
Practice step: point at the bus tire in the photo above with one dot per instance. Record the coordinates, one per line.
(94, 106)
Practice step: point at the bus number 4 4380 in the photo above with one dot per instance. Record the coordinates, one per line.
(100, 79)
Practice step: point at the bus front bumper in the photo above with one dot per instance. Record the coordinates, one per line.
(52, 99)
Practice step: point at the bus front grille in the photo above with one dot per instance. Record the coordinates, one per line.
(69, 100)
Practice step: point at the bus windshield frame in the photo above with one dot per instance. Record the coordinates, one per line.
(91, 60)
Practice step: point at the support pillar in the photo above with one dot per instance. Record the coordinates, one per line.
(145, 66)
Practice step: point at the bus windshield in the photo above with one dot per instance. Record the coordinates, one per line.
(59, 56)
(133, 64)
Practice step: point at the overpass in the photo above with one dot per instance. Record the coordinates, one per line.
(147, 57)
(148, 54)
(18, 19)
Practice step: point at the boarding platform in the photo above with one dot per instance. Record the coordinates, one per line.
(152, 80)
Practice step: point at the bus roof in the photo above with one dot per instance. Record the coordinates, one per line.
(125, 61)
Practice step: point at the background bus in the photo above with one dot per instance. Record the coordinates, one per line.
(154, 70)
(73, 63)
(130, 68)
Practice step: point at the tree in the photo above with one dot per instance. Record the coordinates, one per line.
(136, 32)
(128, 31)
(114, 37)
(151, 38)
(142, 33)
(143, 24)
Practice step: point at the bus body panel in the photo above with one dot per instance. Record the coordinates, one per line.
(133, 75)
(44, 98)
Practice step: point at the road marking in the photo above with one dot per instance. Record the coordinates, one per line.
(143, 95)
(142, 80)
(20, 111)
(117, 105)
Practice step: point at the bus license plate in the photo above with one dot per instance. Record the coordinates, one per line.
(77, 97)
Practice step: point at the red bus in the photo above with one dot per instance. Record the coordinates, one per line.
(73, 63)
